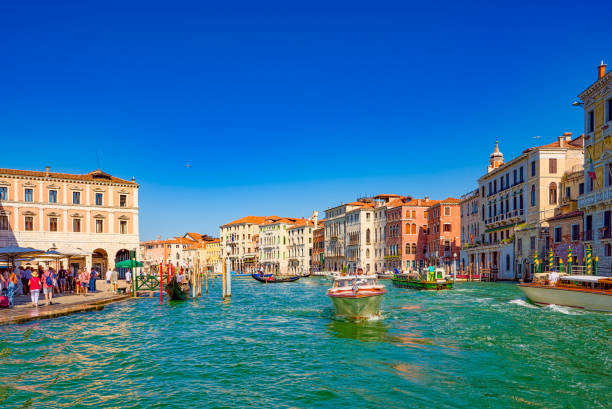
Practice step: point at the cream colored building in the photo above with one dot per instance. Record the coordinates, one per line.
(242, 237)
(300, 247)
(274, 243)
(470, 225)
(516, 198)
(94, 212)
(596, 203)
(380, 240)
(360, 238)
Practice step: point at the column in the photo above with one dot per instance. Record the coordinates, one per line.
(88, 262)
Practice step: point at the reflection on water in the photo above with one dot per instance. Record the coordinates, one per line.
(361, 330)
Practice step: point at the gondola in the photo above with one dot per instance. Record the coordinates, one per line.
(269, 278)
(176, 291)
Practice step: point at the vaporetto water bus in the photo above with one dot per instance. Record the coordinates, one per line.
(426, 280)
(576, 291)
(356, 296)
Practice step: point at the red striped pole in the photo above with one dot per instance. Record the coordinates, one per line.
(161, 283)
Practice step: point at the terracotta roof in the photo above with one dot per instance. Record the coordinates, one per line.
(248, 219)
(575, 213)
(448, 200)
(577, 143)
(195, 236)
(286, 220)
(95, 176)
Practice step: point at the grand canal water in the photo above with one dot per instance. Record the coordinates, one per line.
(478, 346)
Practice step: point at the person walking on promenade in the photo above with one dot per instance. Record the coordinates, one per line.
(128, 278)
(61, 274)
(11, 286)
(47, 282)
(25, 277)
(109, 274)
(34, 288)
(70, 280)
(115, 279)
(84, 279)
(92, 280)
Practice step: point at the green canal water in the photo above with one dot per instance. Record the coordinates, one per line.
(477, 346)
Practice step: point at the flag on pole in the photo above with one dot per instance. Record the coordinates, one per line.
(592, 174)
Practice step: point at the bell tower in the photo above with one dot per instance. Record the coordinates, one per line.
(496, 159)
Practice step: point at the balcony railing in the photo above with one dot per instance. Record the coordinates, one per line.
(598, 196)
(605, 233)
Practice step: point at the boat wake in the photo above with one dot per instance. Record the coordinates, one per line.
(522, 303)
(563, 310)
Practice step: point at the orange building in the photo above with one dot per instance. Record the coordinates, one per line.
(318, 247)
(443, 232)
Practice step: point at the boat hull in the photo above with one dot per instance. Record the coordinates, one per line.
(594, 301)
(271, 279)
(358, 306)
(422, 284)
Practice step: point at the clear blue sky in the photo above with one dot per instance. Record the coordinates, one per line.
(285, 108)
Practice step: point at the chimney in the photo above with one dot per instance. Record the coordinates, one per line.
(568, 136)
(426, 198)
(47, 171)
(561, 139)
(601, 70)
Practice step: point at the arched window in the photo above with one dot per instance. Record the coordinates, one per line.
(407, 228)
(414, 248)
(533, 195)
(407, 248)
(368, 236)
(552, 193)
(367, 253)
(414, 214)
(414, 229)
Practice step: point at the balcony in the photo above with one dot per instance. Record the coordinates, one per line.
(605, 233)
(595, 197)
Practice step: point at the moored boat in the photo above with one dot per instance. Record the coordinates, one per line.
(356, 296)
(271, 278)
(428, 280)
(576, 291)
(176, 291)
(387, 275)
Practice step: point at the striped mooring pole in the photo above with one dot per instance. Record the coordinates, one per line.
(551, 260)
(535, 262)
(588, 260)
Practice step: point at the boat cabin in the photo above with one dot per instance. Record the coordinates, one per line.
(349, 281)
(583, 282)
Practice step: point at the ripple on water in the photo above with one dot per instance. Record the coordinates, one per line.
(480, 345)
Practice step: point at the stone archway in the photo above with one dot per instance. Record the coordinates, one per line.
(121, 255)
(99, 261)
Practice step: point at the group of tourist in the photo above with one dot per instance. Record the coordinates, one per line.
(26, 280)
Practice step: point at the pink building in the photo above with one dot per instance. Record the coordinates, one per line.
(407, 233)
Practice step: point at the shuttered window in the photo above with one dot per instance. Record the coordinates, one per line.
(552, 165)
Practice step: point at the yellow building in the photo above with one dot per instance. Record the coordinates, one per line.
(596, 202)
(212, 256)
